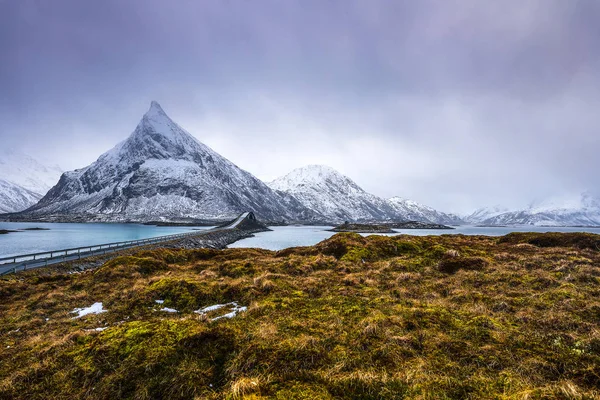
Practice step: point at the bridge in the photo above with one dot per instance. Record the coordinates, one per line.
(23, 262)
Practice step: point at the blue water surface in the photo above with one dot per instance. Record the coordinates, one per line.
(67, 235)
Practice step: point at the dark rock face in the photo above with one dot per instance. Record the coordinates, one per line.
(162, 172)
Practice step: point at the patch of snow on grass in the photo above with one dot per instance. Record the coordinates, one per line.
(235, 309)
(212, 308)
(167, 309)
(232, 314)
(159, 301)
(95, 308)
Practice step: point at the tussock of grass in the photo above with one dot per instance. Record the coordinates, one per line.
(445, 317)
(581, 240)
(452, 264)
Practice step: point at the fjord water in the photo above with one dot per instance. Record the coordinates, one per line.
(70, 235)
(282, 237)
(67, 235)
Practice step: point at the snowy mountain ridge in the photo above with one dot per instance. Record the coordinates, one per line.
(338, 198)
(331, 194)
(410, 210)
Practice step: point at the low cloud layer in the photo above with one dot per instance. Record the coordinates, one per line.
(457, 104)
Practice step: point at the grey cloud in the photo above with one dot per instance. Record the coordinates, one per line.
(456, 103)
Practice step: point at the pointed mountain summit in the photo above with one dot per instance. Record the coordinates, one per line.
(162, 172)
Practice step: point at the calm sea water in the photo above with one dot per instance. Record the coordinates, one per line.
(63, 236)
(289, 236)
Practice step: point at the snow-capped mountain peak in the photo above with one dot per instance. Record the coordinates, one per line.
(157, 137)
(316, 176)
(162, 171)
(332, 194)
(338, 198)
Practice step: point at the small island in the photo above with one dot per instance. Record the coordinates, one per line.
(362, 228)
(6, 231)
(418, 225)
(386, 227)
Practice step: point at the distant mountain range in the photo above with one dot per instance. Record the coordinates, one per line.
(23, 180)
(161, 172)
(583, 210)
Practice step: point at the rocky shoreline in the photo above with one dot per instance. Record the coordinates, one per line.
(211, 240)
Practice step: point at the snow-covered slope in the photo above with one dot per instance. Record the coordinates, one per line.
(23, 180)
(409, 210)
(162, 172)
(15, 198)
(335, 196)
(26, 172)
(583, 210)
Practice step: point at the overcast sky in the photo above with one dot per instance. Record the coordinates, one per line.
(456, 104)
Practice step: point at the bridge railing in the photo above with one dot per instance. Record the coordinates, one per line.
(20, 262)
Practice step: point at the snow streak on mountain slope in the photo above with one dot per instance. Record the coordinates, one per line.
(14, 198)
(581, 211)
(409, 210)
(161, 171)
(335, 196)
(26, 172)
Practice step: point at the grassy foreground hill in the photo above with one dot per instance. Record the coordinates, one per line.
(444, 317)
